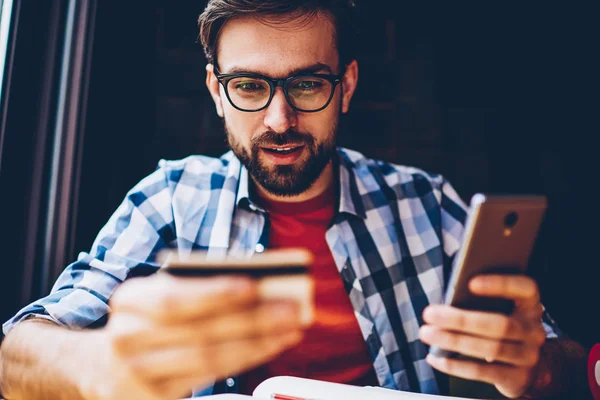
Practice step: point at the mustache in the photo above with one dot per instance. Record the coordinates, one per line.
(282, 139)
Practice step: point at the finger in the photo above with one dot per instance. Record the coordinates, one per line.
(515, 287)
(513, 353)
(265, 319)
(167, 298)
(479, 323)
(514, 380)
(204, 363)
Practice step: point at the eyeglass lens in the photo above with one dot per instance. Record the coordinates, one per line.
(305, 93)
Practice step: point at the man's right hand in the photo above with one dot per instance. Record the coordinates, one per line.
(166, 335)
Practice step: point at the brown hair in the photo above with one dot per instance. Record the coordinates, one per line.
(218, 12)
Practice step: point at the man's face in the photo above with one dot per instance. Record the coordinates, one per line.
(284, 150)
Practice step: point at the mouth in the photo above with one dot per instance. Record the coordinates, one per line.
(283, 150)
(283, 155)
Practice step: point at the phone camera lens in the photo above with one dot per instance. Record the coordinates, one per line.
(511, 219)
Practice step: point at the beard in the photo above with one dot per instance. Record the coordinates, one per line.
(285, 180)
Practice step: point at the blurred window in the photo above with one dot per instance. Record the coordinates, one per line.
(5, 14)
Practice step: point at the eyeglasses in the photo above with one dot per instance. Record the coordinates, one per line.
(253, 92)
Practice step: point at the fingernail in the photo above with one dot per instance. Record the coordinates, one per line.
(476, 283)
(431, 359)
(425, 333)
(430, 314)
(241, 288)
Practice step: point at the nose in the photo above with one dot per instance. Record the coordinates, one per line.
(280, 116)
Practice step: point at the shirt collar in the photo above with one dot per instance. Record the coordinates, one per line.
(350, 201)
(243, 196)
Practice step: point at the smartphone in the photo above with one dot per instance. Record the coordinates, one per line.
(499, 235)
(282, 274)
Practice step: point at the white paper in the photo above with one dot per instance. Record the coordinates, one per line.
(226, 396)
(318, 390)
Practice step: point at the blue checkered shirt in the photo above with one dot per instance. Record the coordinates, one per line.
(393, 238)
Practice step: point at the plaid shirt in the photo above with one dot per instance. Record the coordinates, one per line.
(392, 239)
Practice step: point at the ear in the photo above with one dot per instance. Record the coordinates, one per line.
(212, 83)
(349, 82)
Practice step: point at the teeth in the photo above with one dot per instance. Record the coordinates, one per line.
(285, 149)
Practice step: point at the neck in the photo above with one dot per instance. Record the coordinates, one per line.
(319, 186)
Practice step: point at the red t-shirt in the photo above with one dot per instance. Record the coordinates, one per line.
(333, 349)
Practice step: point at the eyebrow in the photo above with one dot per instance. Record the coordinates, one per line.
(297, 71)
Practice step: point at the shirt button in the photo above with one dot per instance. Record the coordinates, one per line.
(259, 248)
(230, 382)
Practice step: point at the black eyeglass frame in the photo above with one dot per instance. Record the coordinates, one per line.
(274, 84)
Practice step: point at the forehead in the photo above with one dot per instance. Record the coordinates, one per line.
(276, 48)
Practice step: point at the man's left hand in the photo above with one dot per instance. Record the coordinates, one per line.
(508, 345)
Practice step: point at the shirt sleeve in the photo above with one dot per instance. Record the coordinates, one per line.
(551, 327)
(454, 213)
(126, 245)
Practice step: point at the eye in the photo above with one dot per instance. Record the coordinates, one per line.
(249, 86)
(308, 85)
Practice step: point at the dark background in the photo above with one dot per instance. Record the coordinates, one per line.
(496, 96)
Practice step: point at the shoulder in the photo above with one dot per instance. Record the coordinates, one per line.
(183, 176)
(415, 191)
(407, 180)
(194, 167)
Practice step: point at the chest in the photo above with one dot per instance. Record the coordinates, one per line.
(389, 272)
